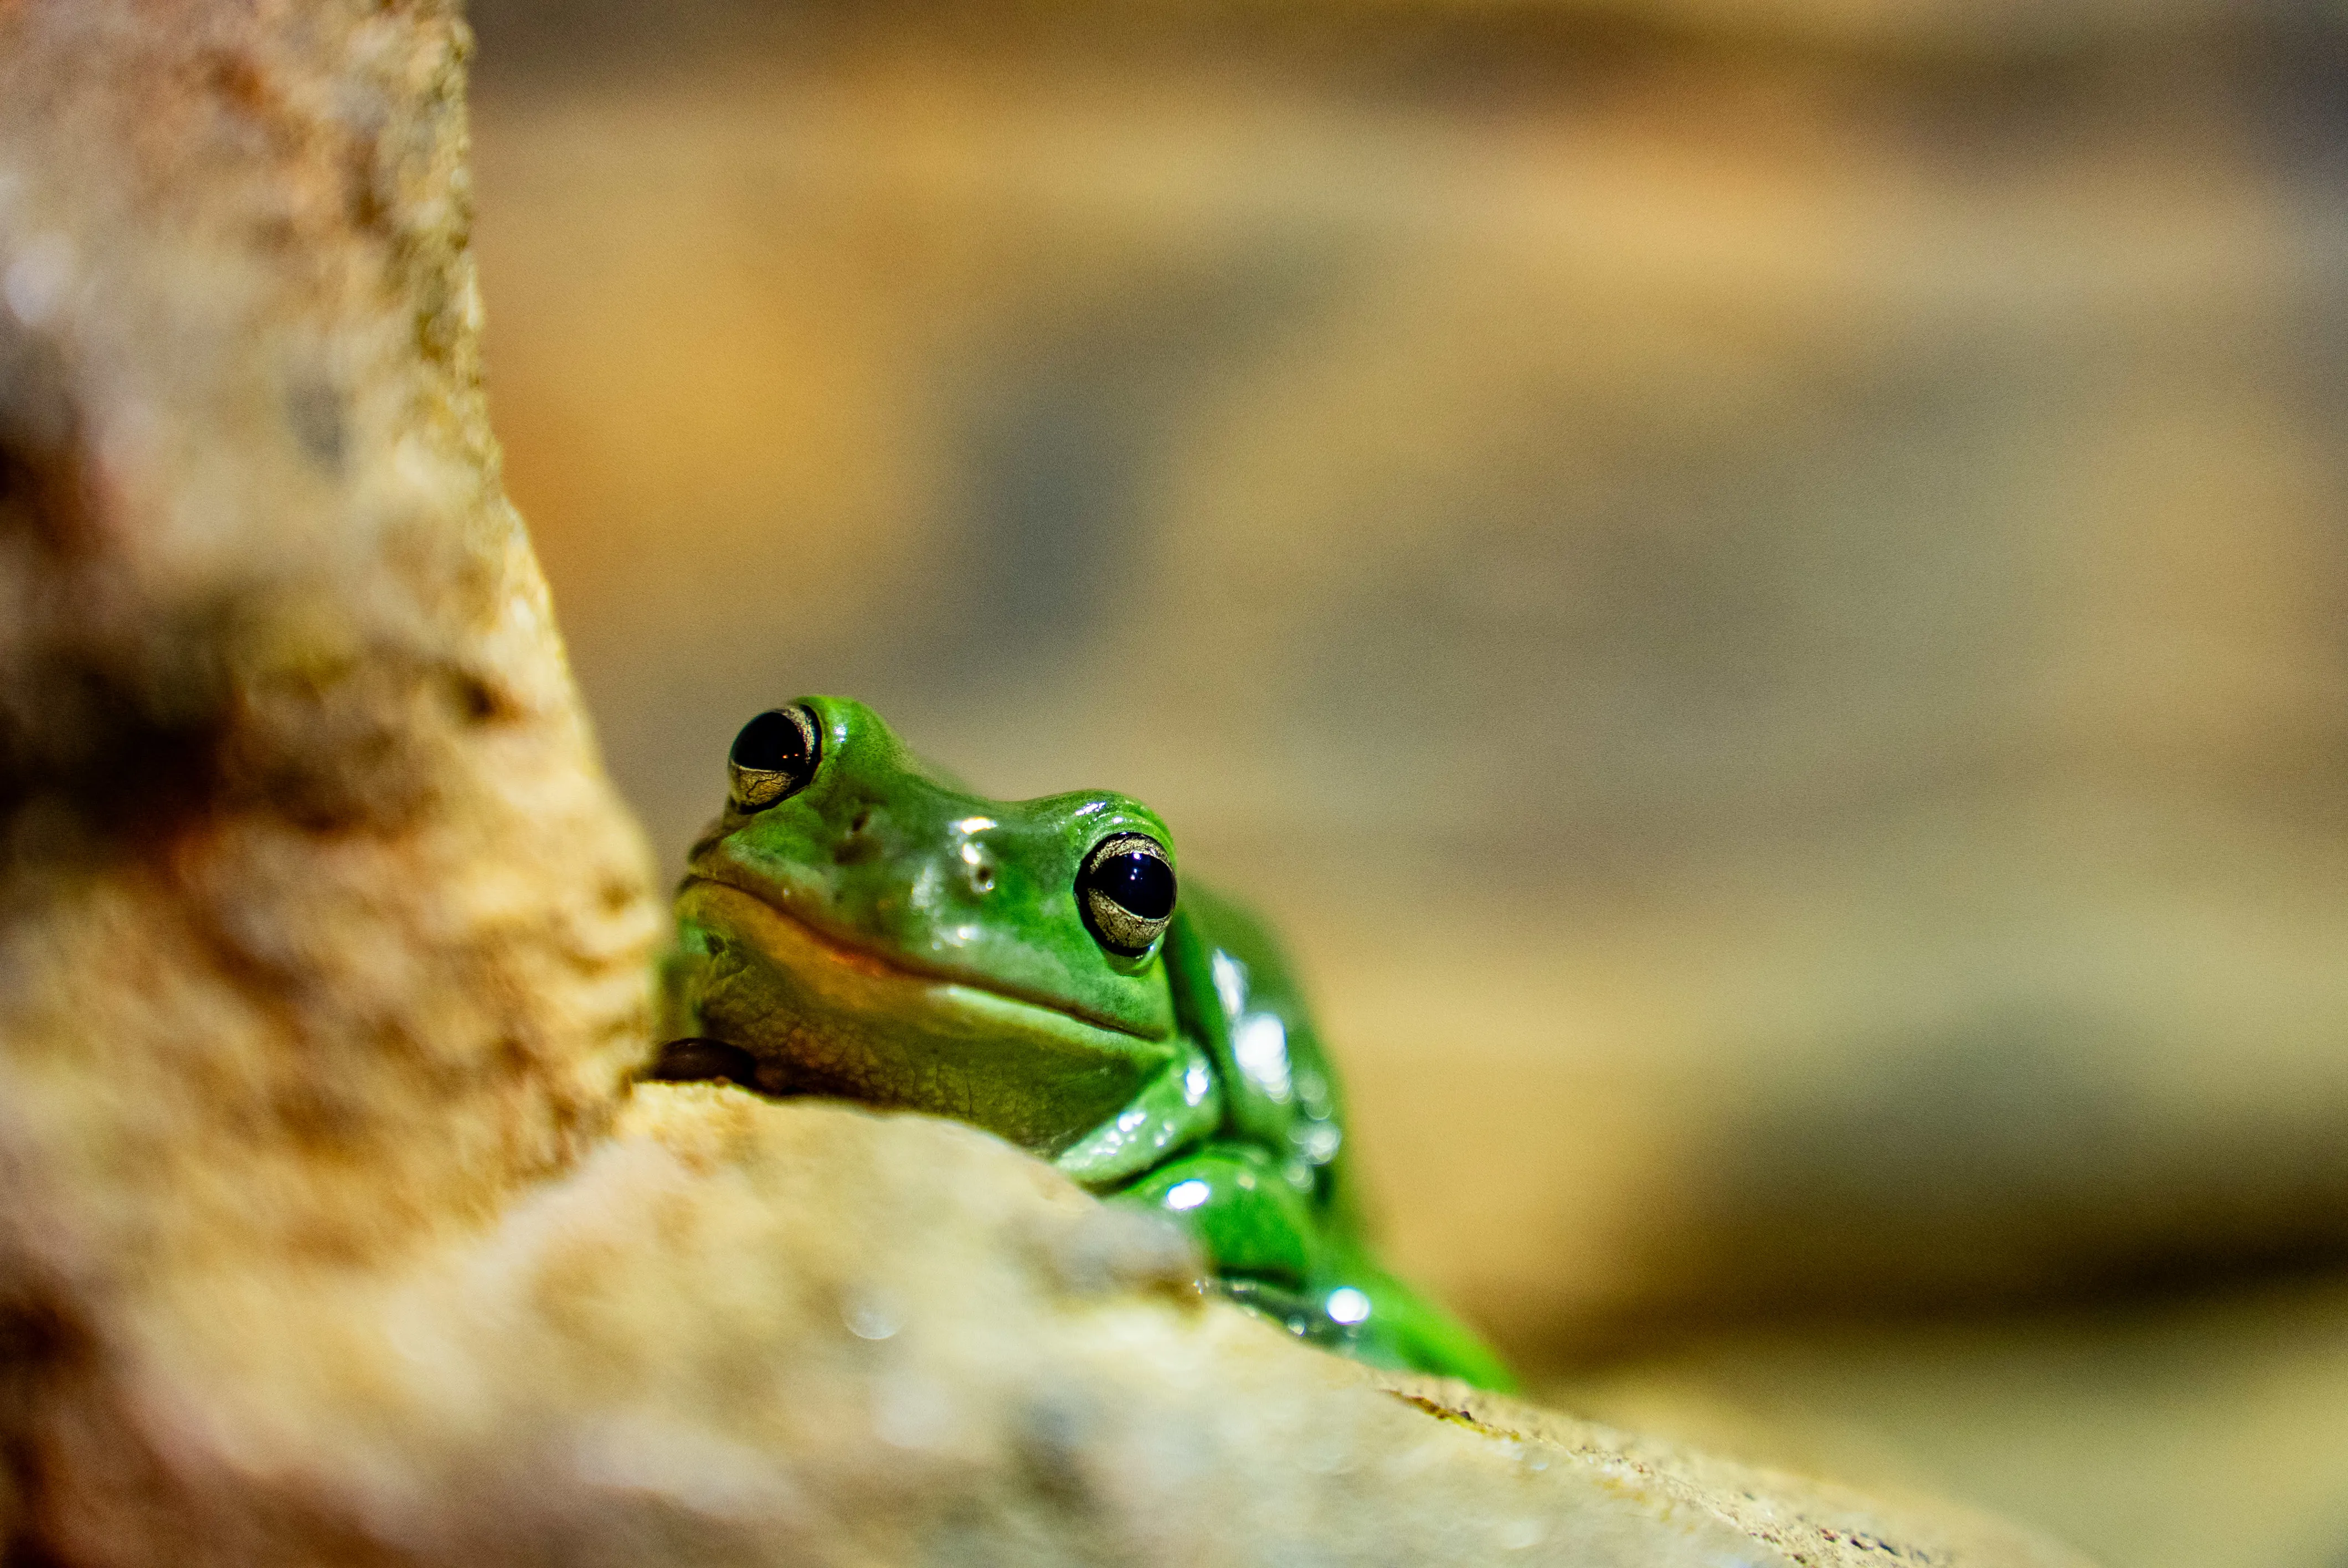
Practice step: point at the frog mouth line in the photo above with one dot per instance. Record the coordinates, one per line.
(891, 966)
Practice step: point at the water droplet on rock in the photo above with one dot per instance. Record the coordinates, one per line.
(872, 1314)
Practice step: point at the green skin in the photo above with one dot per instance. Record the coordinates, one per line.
(886, 936)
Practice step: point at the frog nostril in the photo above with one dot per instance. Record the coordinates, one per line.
(858, 823)
(982, 878)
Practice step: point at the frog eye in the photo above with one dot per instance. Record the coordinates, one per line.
(1127, 891)
(774, 756)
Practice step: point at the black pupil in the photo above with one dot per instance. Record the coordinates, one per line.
(1134, 881)
(772, 743)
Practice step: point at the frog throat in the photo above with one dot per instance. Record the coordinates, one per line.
(818, 1016)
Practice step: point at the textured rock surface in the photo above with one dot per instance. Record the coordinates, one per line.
(307, 854)
(745, 1332)
(2202, 1430)
(333, 1232)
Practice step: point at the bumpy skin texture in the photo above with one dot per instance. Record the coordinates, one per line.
(882, 935)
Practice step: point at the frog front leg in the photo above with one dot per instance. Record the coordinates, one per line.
(1273, 1248)
(1262, 1235)
(1178, 1107)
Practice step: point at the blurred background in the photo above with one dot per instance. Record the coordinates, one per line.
(1758, 589)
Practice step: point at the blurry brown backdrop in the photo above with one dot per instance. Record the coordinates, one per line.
(1757, 590)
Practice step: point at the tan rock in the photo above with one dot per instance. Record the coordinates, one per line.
(751, 1332)
(309, 861)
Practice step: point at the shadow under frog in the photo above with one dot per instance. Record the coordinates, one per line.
(857, 925)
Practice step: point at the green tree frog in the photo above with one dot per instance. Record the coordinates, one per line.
(858, 924)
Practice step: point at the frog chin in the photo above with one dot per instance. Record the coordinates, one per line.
(814, 1016)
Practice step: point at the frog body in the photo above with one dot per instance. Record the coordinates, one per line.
(858, 924)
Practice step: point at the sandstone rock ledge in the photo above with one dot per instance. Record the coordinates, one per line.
(331, 1229)
(750, 1332)
(756, 1333)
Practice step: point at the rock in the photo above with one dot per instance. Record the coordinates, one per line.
(322, 928)
(752, 1332)
(2165, 1430)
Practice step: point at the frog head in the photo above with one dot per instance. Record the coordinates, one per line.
(857, 924)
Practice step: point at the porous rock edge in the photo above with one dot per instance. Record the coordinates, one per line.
(330, 1228)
